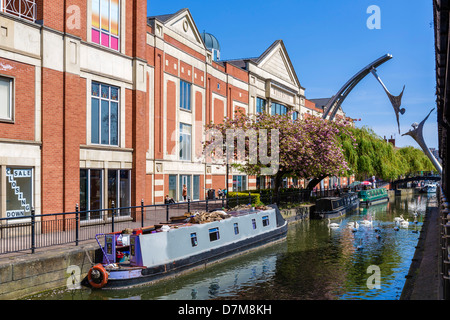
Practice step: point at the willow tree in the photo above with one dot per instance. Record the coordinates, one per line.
(374, 156)
(306, 148)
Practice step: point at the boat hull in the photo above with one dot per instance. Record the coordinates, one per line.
(374, 202)
(123, 278)
(332, 208)
(373, 196)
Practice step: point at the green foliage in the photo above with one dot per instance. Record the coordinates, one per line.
(367, 154)
(235, 198)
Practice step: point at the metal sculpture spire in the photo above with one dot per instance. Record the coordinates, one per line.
(417, 135)
(396, 101)
(335, 102)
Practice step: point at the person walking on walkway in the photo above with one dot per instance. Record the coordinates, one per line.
(184, 192)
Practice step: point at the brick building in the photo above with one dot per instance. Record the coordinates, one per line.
(100, 103)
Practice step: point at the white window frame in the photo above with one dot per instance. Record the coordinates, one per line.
(109, 20)
(110, 101)
(11, 98)
(183, 144)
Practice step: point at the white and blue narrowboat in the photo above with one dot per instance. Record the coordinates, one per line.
(149, 254)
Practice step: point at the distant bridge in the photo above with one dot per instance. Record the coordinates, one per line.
(419, 176)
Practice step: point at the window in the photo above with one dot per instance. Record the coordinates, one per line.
(265, 221)
(91, 190)
(185, 180)
(19, 192)
(104, 114)
(92, 184)
(236, 228)
(214, 234)
(254, 223)
(278, 109)
(6, 98)
(119, 190)
(185, 141)
(185, 95)
(173, 186)
(196, 190)
(295, 115)
(105, 23)
(260, 105)
(194, 241)
(239, 183)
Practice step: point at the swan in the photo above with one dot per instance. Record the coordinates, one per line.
(360, 247)
(332, 225)
(366, 223)
(399, 219)
(404, 224)
(377, 228)
(354, 226)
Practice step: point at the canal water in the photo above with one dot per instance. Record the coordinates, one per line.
(315, 262)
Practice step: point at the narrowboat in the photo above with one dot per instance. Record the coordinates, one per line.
(429, 188)
(335, 207)
(145, 255)
(373, 196)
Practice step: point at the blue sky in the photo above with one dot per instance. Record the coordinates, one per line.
(328, 42)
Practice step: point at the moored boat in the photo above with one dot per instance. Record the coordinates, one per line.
(334, 207)
(373, 196)
(429, 188)
(144, 255)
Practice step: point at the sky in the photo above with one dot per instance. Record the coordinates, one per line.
(328, 41)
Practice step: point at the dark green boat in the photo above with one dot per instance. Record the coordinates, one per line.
(373, 196)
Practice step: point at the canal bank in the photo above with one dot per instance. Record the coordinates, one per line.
(45, 270)
(22, 275)
(422, 281)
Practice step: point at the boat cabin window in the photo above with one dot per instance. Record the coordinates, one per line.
(265, 221)
(194, 239)
(254, 223)
(236, 228)
(214, 234)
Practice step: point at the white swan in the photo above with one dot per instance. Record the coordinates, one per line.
(332, 225)
(366, 223)
(399, 219)
(404, 224)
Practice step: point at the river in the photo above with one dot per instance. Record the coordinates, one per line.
(315, 262)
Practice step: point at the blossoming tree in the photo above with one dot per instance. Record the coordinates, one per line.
(306, 148)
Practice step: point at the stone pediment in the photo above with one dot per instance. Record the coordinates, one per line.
(275, 60)
(183, 24)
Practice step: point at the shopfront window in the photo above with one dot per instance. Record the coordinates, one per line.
(239, 183)
(92, 185)
(19, 192)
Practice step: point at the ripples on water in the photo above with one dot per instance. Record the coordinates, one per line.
(314, 263)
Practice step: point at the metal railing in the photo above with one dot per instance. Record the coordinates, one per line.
(444, 256)
(46, 230)
(25, 9)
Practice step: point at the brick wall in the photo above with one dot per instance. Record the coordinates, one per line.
(23, 127)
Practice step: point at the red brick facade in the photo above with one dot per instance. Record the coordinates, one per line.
(58, 114)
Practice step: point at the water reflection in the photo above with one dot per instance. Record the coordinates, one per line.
(315, 262)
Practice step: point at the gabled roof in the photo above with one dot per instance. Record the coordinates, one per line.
(274, 54)
(182, 23)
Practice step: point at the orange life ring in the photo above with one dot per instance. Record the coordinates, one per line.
(98, 281)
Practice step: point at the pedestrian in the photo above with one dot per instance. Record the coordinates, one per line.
(184, 192)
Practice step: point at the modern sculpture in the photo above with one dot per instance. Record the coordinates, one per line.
(417, 135)
(396, 101)
(334, 103)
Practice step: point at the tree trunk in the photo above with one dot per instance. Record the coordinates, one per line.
(314, 182)
(277, 184)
